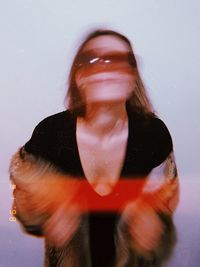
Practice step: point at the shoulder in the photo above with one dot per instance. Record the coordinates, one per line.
(149, 125)
(159, 130)
(161, 140)
(49, 134)
(54, 121)
(153, 137)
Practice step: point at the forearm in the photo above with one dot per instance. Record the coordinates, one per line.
(39, 190)
(146, 225)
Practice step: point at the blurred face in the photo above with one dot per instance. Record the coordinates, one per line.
(105, 70)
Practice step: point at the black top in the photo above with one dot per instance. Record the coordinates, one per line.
(149, 144)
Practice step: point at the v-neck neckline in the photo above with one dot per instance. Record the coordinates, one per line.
(126, 155)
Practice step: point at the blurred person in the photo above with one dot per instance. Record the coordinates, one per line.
(98, 181)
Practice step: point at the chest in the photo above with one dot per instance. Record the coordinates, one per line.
(102, 160)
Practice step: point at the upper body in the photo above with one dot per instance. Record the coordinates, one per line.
(149, 149)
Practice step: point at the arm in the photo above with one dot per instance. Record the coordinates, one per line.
(146, 225)
(161, 190)
(25, 175)
(42, 196)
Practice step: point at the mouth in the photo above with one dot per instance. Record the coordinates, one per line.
(105, 77)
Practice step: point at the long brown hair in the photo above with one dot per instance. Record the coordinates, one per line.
(138, 102)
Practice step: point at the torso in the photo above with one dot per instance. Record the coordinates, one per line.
(101, 159)
(54, 140)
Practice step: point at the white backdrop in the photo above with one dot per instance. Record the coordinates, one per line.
(38, 41)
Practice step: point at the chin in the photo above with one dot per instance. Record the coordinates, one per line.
(118, 93)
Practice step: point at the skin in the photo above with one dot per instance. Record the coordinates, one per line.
(102, 133)
(102, 138)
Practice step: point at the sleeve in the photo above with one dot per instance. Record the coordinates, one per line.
(161, 189)
(41, 186)
(41, 137)
(24, 176)
(161, 142)
(28, 171)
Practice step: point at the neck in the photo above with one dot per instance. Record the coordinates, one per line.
(102, 119)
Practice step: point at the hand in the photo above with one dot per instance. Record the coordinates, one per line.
(62, 225)
(64, 212)
(145, 228)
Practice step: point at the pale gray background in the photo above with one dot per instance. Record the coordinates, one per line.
(38, 41)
